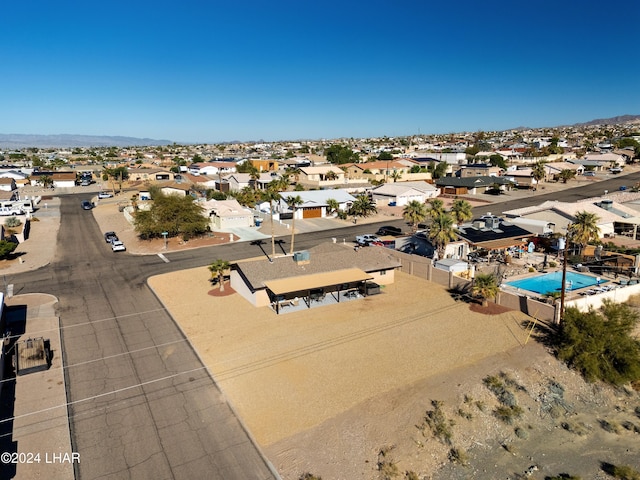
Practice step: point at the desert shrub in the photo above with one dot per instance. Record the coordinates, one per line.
(480, 405)
(309, 476)
(12, 222)
(599, 344)
(579, 428)
(464, 414)
(458, 455)
(563, 476)
(632, 427)
(637, 412)
(508, 414)
(623, 472)
(611, 427)
(553, 264)
(411, 476)
(437, 421)
(521, 433)
(386, 465)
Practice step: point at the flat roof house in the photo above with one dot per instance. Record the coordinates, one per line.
(330, 270)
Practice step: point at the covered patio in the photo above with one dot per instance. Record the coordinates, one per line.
(300, 292)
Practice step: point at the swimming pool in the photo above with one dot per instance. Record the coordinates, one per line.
(552, 282)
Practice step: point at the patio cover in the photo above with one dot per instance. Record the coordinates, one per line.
(500, 243)
(317, 280)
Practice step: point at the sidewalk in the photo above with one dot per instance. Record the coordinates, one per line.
(39, 437)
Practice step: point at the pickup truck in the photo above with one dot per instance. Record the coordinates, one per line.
(366, 239)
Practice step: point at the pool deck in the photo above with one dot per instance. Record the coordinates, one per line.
(608, 283)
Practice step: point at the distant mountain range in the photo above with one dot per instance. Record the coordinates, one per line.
(16, 140)
(611, 121)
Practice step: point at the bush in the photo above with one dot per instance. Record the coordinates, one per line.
(438, 423)
(7, 248)
(600, 344)
(12, 222)
(623, 472)
(457, 455)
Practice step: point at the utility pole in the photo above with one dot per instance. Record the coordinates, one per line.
(563, 287)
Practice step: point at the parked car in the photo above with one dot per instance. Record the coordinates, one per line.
(118, 246)
(105, 195)
(623, 188)
(110, 237)
(366, 239)
(589, 173)
(86, 205)
(389, 230)
(6, 211)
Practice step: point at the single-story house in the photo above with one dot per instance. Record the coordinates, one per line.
(225, 214)
(315, 202)
(212, 168)
(402, 193)
(7, 184)
(492, 234)
(324, 176)
(64, 179)
(472, 185)
(479, 170)
(613, 218)
(150, 174)
(175, 188)
(238, 181)
(328, 269)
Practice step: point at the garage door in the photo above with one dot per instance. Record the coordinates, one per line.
(314, 212)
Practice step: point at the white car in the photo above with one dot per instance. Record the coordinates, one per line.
(118, 246)
(105, 195)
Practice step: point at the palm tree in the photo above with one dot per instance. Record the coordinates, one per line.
(538, 172)
(396, 175)
(566, 175)
(485, 286)
(437, 207)
(461, 211)
(46, 181)
(218, 269)
(414, 212)
(293, 202)
(584, 229)
(441, 232)
(254, 175)
(363, 206)
(332, 205)
(271, 195)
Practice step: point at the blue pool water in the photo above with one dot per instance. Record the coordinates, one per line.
(552, 282)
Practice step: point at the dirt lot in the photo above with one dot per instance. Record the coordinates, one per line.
(325, 390)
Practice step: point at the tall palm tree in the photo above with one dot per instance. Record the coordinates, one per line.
(396, 175)
(218, 269)
(539, 172)
(414, 212)
(584, 229)
(362, 206)
(293, 202)
(461, 211)
(254, 175)
(441, 232)
(485, 286)
(271, 194)
(437, 207)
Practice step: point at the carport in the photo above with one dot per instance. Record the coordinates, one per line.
(287, 292)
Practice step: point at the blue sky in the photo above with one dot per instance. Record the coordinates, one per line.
(210, 71)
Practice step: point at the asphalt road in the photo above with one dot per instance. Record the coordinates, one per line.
(141, 403)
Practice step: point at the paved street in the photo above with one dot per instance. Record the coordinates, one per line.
(141, 403)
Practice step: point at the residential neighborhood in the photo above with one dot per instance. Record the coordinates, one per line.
(437, 234)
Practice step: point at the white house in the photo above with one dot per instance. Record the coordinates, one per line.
(402, 193)
(225, 214)
(212, 168)
(315, 202)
